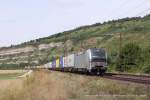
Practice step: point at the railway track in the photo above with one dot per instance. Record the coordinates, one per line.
(141, 79)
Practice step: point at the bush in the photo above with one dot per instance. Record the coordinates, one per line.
(147, 69)
(130, 56)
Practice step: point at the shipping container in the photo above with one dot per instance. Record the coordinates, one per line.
(69, 61)
(61, 62)
(50, 65)
(54, 63)
(57, 63)
(64, 62)
(38, 67)
(45, 66)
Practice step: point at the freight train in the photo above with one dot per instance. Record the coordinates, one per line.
(93, 61)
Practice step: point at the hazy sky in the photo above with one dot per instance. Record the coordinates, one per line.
(23, 20)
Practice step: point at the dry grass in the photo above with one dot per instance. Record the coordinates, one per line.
(48, 85)
(80, 87)
(6, 84)
(38, 86)
(45, 87)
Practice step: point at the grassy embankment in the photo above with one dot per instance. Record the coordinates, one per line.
(11, 74)
(46, 85)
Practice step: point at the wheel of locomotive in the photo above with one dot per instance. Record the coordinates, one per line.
(101, 73)
(87, 72)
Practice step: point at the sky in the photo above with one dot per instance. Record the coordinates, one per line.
(24, 20)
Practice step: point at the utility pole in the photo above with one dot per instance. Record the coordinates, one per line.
(120, 50)
(29, 61)
(65, 50)
(81, 45)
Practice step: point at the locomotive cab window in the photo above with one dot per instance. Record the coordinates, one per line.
(98, 55)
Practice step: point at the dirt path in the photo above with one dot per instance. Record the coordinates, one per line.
(26, 74)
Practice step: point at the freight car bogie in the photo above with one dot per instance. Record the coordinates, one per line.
(98, 70)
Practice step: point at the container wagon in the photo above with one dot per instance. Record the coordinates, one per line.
(92, 60)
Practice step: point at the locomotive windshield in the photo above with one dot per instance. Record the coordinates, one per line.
(98, 55)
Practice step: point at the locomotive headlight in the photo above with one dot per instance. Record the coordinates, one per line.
(98, 64)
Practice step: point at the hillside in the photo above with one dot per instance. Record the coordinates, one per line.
(134, 30)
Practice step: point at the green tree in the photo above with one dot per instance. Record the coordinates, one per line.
(146, 56)
(130, 56)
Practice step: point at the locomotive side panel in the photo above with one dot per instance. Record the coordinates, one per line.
(81, 60)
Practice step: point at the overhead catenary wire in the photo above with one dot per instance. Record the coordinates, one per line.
(65, 49)
(120, 6)
(116, 9)
(142, 3)
(124, 4)
(120, 40)
(136, 6)
(148, 9)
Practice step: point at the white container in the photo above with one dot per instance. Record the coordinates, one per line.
(45, 65)
(50, 65)
(69, 61)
